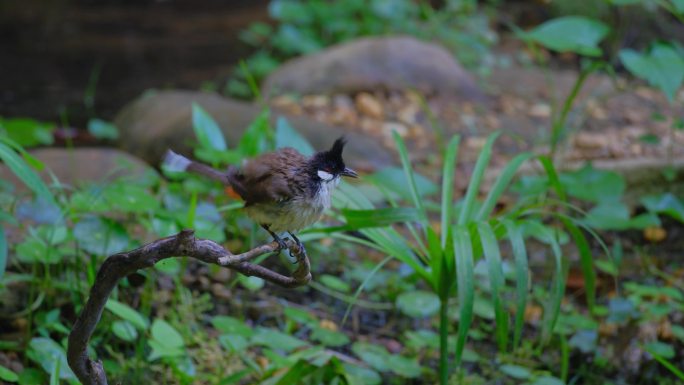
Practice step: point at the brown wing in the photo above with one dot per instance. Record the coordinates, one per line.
(268, 178)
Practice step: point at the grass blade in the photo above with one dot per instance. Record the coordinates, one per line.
(15, 163)
(466, 286)
(448, 186)
(490, 247)
(500, 185)
(552, 307)
(586, 261)
(553, 176)
(410, 178)
(521, 277)
(667, 364)
(206, 129)
(379, 217)
(476, 180)
(3, 252)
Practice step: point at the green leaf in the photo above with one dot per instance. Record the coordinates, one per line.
(586, 262)
(230, 325)
(374, 355)
(207, 131)
(476, 179)
(49, 354)
(127, 313)
(100, 236)
(32, 376)
(516, 371)
(380, 217)
(28, 132)
(576, 34)
(448, 174)
(251, 283)
(463, 251)
(661, 349)
(3, 252)
(552, 307)
(405, 367)
(166, 334)
(256, 138)
(662, 67)
(234, 342)
(614, 215)
(393, 180)
(521, 277)
(329, 337)
(102, 129)
(287, 136)
(490, 246)
(503, 180)
(124, 330)
(335, 283)
(667, 204)
(593, 185)
(364, 376)
(8, 375)
(410, 178)
(129, 198)
(418, 303)
(19, 167)
(277, 340)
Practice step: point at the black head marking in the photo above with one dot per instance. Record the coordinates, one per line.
(330, 161)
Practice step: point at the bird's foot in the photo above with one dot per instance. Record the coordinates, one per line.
(301, 250)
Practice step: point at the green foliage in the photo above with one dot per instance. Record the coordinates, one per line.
(307, 26)
(662, 67)
(27, 132)
(569, 34)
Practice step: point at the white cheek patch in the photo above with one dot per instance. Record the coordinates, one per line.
(324, 175)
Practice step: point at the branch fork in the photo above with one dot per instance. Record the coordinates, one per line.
(120, 265)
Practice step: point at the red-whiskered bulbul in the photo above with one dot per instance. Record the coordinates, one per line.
(284, 191)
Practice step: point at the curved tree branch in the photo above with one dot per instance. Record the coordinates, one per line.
(117, 266)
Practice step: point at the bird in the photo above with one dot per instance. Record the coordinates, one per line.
(283, 190)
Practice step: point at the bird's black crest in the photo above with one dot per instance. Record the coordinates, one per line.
(337, 147)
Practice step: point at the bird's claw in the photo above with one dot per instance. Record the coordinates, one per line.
(301, 252)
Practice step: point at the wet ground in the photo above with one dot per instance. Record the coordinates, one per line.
(69, 60)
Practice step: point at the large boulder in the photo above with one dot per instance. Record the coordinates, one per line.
(387, 63)
(157, 121)
(73, 166)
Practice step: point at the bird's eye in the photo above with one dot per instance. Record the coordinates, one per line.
(328, 170)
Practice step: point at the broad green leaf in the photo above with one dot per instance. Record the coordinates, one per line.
(275, 339)
(32, 376)
(667, 364)
(27, 132)
(19, 167)
(661, 348)
(662, 67)
(207, 131)
(576, 34)
(405, 367)
(475, 180)
(166, 341)
(329, 337)
(613, 215)
(234, 342)
(100, 236)
(127, 313)
(287, 136)
(48, 354)
(448, 186)
(127, 197)
(230, 325)
(593, 185)
(516, 371)
(124, 330)
(418, 303)
(35, 250)
(102, 129)
(256, 138)
(374, 355)
(463, 251)
(335, 283)
(8, 375)
(364, 375)
(251, 283)
(380, 217)
(521, 277)
(490, 247)
(667, 204)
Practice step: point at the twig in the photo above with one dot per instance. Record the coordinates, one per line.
(120, 265)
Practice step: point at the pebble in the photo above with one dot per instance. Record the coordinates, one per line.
(369, 105)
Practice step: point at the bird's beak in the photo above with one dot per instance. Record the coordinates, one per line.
(349, 172)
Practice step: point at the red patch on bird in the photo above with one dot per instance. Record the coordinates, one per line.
(232, 193)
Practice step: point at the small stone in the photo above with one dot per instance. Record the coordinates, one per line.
(476, 142)
(540, 110)
(655, 234)
(287, 103)
(590, 141)
(220, 291)
(393, 346)
(315, 101)
(328, 325)
(369, 105)
(408, 114)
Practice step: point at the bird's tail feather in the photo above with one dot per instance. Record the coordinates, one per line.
(178, 163)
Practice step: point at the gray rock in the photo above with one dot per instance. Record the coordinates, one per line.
(157, 121)
(78, 165)
(390, 63)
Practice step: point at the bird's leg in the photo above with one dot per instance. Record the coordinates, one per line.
(300, 245)
(281, 244)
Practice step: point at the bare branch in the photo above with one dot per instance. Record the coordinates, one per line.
(117, 266)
